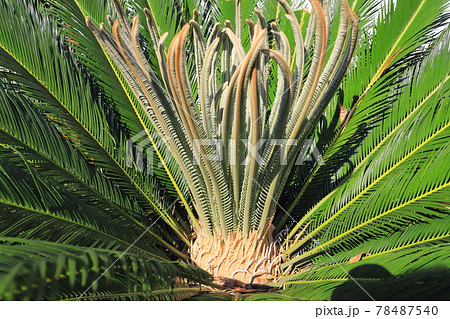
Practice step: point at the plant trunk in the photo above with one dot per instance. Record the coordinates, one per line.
(240, 260)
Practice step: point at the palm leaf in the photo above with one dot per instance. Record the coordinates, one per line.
(70, 99)
(372, 181)
(34, 208)
(56, 160)
(36, 270)
(95, 59)
(414, 273)
(345, 150)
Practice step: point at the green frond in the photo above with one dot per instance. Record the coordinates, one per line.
(415, 235)
(37, 270)
(31, 207)
(369, 121)
(399, 185)
(41, 147)
(70, 100)
(414, 273)
(370, 195)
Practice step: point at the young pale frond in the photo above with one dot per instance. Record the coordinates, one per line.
(230, 108)
(238, 193)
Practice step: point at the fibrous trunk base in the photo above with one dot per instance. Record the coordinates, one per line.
(238, 261)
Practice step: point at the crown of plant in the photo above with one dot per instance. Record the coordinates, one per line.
(231, 106)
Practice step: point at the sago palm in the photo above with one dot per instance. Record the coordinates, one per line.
(157, 150)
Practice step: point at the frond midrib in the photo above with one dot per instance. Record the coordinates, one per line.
(368, 187)
(110, 156)
(144, 126)
(137, 293)
(2, 201)
(285, 279)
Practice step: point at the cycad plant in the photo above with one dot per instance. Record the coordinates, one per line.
(157, 150)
